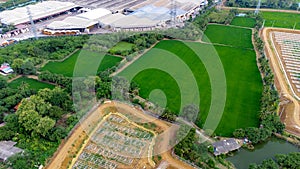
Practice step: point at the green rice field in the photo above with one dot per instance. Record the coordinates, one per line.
(34, 84)
(226, 35)
(243, 21)
(281, 20)
(86, 62)
(243, 82)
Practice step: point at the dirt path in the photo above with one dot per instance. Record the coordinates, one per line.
(235, 26)
(261, 9)
(12, 79)
(86, 126)
(133, 60)
(33, 77)
(292, 120)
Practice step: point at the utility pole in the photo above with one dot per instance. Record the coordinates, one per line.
(33, 28)
(257, 7)
(173, 12)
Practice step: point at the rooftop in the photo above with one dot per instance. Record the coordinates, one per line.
(38, 10)
(94, 14)
(225, 146)
(7, 149)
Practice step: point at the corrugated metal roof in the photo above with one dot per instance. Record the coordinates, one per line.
(225, 146)
(95, 14)
(39, 10)
(7, 149)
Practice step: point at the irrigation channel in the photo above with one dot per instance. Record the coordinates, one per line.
(244, 157)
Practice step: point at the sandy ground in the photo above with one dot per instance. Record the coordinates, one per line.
(291, 110)
(63, 152)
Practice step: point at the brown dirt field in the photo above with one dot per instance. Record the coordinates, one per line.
(278, 48)
(62, 157)
(291, 114)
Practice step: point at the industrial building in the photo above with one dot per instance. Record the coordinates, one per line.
(38, 11)
(143, 16)
(41, 11)
(83, 22)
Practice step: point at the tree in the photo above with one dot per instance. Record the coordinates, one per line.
(28, 68)
(21, 161)
(29, 119)
(269, 164)
(3, 82)
(120, 88)
(17, 65)
(291, 160)
(57, 133)
(190, 112)
(168, 115)
(44, 125)
(239, 133)
(57, 97)
(55, 112)
(35, 103)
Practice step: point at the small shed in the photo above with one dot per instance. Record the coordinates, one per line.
(6, 69)
(8, 149)
(225, 146)
(241, 15)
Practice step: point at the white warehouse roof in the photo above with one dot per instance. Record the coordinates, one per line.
(95, 14)
(80, 21)
(39, 10)
(110, 19)
(71, 22)
(127, 21)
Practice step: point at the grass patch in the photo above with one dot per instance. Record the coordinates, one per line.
(34, 84)
(88, 60)
(221, 34)
(243, 21)
(281, 19)
(244, 85)
(121, 46)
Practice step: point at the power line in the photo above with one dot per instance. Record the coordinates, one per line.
(33, 28)
(257, 7)
(173, 12)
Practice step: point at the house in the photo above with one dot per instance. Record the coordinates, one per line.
(5, 69)
(8, 149)
(225, 146)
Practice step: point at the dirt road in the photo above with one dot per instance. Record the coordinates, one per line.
(292, 115)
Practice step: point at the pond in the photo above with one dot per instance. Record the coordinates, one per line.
(244, 157)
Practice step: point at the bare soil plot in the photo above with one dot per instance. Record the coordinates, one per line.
(82, 144)
(290, 106)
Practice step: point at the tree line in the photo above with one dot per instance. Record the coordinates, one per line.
(277, 4)
(38, 125)
(10, 97)
(25, 55)
(291, 161)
